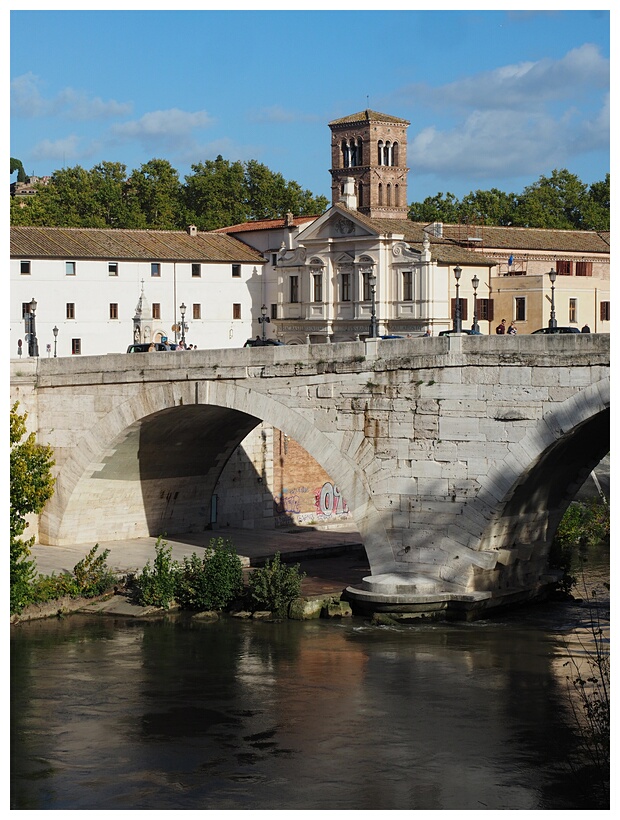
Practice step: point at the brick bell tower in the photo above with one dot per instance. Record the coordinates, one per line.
(371, 148)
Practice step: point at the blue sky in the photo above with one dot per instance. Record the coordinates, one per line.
(495, 98)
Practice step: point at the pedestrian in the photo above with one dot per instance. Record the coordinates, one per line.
(152, 347)
(585, 328)
(427, 332)
(512, 330)
(501, 328)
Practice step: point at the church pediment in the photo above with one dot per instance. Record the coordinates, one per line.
(336, 223)
(401, 252)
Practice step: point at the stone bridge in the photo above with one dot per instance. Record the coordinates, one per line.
(457, 455)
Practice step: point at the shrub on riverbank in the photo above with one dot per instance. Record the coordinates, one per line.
(214, 581)
(90, 577)
(583, 525)
(275, 585)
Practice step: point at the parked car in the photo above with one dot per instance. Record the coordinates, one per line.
(457, 333)
(144, 347)
(262, 343)
(392, 336)
(557, 330)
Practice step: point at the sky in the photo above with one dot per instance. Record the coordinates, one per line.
(496, 99)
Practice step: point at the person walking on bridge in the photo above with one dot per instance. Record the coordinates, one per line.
(501, 328)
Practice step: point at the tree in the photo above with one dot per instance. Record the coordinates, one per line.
(156, 189)
(436, 209)
(31, 486)
(16, 165)
(552, 202)
(215, 194)
(492, 207)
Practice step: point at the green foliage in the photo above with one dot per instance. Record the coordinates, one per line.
(31, 485)
(156, 586)
(217, 193)
(53, 587)
(583, 525)
(275, 585)
(16, 165)
(211, 582)
(92, 575)
(560, 201)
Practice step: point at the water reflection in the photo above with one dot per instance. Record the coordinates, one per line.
(178, 714)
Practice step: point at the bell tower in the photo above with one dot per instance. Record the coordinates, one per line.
(371, 149)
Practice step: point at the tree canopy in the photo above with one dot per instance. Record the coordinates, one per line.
(217, 193)
(559, 201)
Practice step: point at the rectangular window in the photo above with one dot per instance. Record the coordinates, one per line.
(24, 268)
(317, 282)
(156, 310)
(520, 308)
(294, 288)
(274, 311)
(236, 270)
(407, 286)
(236, 311)
(345, 287)
(274, 259)
(76, 346)
(113, 268)
(196, 269)
(572, 310)
(485, 310)
(366, 294)
(196, 312)
(155, 268)
(70, 268)
(70, 310)
(605, 311)
(113, 310)
(463, 303)
(583, 268)
(564, 268)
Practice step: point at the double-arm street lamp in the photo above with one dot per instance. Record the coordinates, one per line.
(474, 283)
(457, 324)
(31, 330)
(263, 319)
(553, 276)
(183, 308)
(372, 281)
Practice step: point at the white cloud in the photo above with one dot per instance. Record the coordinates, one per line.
(65, 148)
(171, 129)
(28, 102)
(278, 114)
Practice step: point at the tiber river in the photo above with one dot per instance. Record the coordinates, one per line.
(175, 714)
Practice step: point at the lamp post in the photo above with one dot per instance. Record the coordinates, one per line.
(33, 344)
(553, 276)
(372, 281)
(457, 324)
(55, 332)
(262, 320)
(183, 308)
(474, 283)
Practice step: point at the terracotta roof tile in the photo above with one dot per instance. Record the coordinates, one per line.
(264, 224)
(103, 243)
(368, 116)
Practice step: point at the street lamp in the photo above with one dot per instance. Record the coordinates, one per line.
(263, 319)
(55, 332)
(183, 308)
(553, 276)
(33, 344)
(474, 283)
(457, 324)
(372, 281)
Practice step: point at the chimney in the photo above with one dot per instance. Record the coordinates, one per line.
(192, 230)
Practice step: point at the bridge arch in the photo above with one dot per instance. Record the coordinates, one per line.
(528, 494)
(150, 465)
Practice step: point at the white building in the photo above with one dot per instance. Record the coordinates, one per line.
(98, 286)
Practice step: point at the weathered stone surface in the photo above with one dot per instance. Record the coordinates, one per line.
(482, 439)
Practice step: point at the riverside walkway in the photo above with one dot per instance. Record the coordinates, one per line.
(332, 558)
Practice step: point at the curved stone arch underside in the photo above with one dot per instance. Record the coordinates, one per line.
(79, 478)
(523, 499)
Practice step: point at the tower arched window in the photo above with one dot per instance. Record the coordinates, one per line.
(389, 194)
(380, 151)
(360, 195)
(396, 195)
(360, 155)
(352, 153)
(380, 193)
(345, 154)
(386, 154)
(395, 154)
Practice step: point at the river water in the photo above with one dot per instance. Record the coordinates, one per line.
(178, 714)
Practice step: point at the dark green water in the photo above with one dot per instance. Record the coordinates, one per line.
(176, 714)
